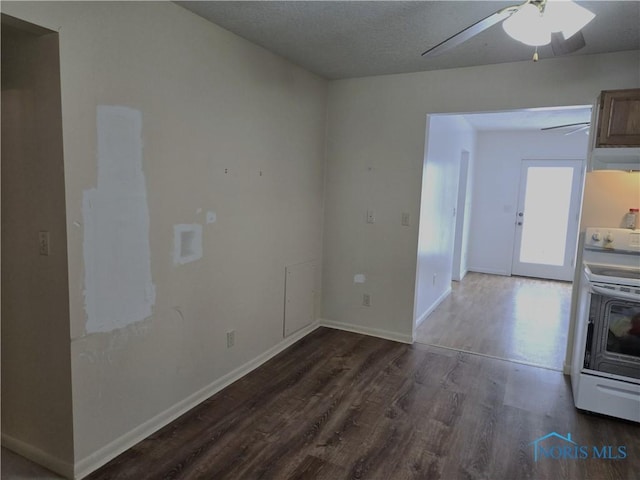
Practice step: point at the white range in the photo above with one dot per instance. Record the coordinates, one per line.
(605, 368)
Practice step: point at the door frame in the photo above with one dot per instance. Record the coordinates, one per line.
(566, 272)
(461, 218)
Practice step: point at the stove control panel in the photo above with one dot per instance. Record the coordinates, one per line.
(619, 239)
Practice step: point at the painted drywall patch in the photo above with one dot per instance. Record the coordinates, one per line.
(118, 286)
(211, 217)
(187, 243)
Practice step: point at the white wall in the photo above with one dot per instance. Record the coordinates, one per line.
(448, 137)
(379, 122)
(226, 127)
(495, 193)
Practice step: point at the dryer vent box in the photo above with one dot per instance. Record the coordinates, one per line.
(187, 243)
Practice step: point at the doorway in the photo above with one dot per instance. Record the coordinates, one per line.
(37, 418)
(547, 220)
(496, 143)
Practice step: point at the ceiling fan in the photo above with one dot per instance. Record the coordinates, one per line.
(534, 23)
(579, 127)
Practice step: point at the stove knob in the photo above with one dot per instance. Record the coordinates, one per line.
(596, 237)
(608, 238)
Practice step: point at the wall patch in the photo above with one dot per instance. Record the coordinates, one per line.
(118, 287)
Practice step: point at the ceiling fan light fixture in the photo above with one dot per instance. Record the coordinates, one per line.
(567, 17)
(529, 26)
(534, 23)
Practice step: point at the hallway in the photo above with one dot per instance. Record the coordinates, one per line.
(514, 318)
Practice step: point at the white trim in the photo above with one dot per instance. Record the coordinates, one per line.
(433, 306)
(464, 274)
(491, 271)
(566, 368)
(373, 332)
(100, 457)
(38, 456)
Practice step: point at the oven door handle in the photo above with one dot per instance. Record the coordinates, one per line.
(615, 293)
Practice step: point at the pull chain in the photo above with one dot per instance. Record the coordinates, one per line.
(535, 55)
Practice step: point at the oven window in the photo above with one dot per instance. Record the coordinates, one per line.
(623, 336)
(613, 339)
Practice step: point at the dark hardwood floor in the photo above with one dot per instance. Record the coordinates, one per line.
(339, 405)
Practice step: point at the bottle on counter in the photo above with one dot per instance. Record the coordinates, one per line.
(631, 218)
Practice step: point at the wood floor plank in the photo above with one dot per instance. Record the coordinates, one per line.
(314, 467)
(515, 318)
(345, 406)
(304, 426)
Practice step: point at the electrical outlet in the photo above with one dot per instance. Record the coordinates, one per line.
(406, 219)
(371, 216)
(366, 299)
(231, 338)
(43, 243)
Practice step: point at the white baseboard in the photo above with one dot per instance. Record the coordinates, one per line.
(38, 456)
(460, 276)
(97, 459)
(433, 306)
(373, 332)
(491, 271)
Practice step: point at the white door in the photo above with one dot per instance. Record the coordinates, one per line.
(547, 219)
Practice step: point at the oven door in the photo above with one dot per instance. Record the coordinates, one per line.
(613, 339)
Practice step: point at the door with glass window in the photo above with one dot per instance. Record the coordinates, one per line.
(547, 219)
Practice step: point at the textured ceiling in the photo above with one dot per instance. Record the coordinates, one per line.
(337, 39)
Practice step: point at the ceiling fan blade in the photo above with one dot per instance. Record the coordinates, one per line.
(560, 46)
(566, 125)
(471, 31)
(579, 129)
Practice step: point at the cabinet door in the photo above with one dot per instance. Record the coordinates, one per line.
(619, 124)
